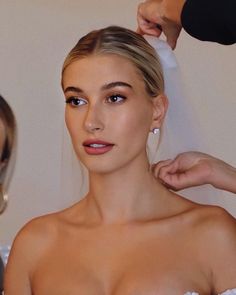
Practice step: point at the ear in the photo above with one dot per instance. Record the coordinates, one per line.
(160, 106)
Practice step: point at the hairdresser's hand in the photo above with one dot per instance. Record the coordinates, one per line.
(193, 169)
(157, 16)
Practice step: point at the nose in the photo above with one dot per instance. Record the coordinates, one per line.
(93, 121)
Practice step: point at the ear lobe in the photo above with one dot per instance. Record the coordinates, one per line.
(160, 106)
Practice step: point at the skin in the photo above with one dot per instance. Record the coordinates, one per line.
(129, 235)
(194, 169)
(157, 16)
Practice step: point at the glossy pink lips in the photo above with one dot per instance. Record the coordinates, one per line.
(97, 147)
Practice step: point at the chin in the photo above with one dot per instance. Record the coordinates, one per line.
(107, 163)
(100, 167)
(103, 166)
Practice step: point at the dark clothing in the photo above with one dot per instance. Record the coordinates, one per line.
(210, 20)
(1, 274)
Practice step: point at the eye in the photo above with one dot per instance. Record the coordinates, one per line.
(116, 98)
(75, 101)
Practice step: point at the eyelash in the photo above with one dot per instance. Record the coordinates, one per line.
(115, 96)
(75, 101)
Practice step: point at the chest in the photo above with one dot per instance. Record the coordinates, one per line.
(120, 264)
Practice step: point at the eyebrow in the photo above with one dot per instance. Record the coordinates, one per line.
(73, 89)
(104, 87)
(115, 84)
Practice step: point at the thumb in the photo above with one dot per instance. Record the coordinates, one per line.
(172, 41)
(172, 33)
(139, 31)
(172, 178)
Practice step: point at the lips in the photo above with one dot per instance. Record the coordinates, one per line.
(97, 147)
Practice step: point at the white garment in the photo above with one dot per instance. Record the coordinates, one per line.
(228, 292)
(181, 129)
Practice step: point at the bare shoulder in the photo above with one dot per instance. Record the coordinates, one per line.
(41, 232)
(45, 228)
(209, 219)
(215, 221)
(34, 236)
(212, 228)
(212, 223)
(215, 232)
(27, 248)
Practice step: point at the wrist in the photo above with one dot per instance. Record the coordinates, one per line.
(224, 178)
(173, 11)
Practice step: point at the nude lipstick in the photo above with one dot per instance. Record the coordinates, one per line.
(97, 147)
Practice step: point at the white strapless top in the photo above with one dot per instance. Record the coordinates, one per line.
(228, 292)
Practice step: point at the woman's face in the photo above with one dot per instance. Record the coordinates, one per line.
(108, 112)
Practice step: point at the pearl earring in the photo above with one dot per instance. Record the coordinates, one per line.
(155, 130)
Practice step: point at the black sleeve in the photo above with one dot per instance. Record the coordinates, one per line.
(210, 20)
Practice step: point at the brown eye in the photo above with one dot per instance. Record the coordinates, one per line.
(117, 98)
(75, 101)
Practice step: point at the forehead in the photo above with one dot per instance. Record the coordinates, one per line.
(100, 69)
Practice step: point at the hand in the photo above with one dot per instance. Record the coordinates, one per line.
(193, 169)
(157, 16)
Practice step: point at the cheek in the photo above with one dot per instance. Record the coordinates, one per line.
(134, 124)
(73, 124)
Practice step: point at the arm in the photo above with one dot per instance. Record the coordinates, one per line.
(194, 169)
(210, 20)
(26, 253)
(220, 249)
(207, 20)
(16, 278)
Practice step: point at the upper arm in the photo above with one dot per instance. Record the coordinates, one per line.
(27, 250)
(222, 250)
(16, 277)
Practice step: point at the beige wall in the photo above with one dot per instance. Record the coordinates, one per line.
(34, 38)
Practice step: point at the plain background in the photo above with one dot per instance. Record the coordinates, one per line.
(35, 37)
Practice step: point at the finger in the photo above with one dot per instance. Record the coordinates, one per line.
(158, 166)
(172, 33)
(169, 175)
(170, 168)
(171, 37)
(139, 31)
(172, 42)
(174, 181)
(150, 29)
(168, 186)
(183, 180)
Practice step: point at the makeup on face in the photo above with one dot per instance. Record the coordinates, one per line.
(97, 147)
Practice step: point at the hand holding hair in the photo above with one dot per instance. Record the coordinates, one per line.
(206, 20)
(157, 16)
(193, 169)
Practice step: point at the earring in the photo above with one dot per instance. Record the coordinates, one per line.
(155, 130)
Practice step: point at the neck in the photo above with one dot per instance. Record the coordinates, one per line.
(128, 194)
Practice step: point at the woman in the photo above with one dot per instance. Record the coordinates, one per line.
(7, 139)
(129, 235)
(7, 142)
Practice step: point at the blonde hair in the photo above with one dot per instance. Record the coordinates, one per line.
(125, 43)
(7, 155)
